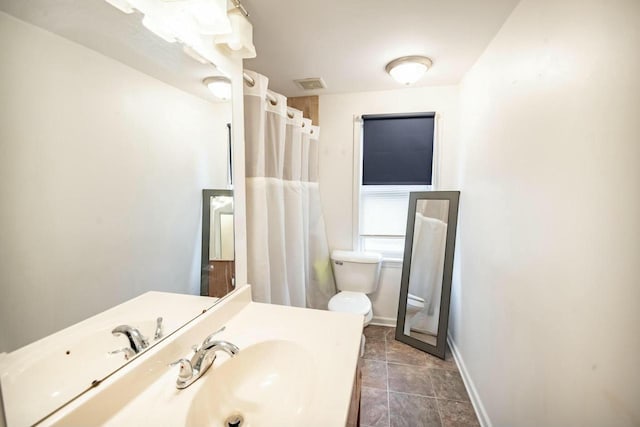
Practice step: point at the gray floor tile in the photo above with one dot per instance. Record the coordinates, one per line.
(374, 407)
(448, 362)
(374, 348)
(391, 333)
(374, 374)
(457, 414)
(373, 331)
(402, 353)
(406, 410)
(410, 379)
(448, 384)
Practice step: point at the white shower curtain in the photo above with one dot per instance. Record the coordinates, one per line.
(288, 256)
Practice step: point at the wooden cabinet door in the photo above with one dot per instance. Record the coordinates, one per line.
(221, 274)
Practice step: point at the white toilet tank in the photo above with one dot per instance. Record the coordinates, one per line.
(356, 271)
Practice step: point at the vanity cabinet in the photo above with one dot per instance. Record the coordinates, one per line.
(353, 419)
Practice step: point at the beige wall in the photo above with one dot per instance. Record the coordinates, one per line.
(336, 164)
(101, 172)
(546, 304)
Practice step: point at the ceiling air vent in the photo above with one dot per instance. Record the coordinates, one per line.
(311, 84)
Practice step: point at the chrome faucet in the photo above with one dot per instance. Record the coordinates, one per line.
(203, 358)
(137, 341)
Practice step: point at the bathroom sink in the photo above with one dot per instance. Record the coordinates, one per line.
(295, 367)
(267, 384)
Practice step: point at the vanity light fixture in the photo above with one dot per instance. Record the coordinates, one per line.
(408, 69)
(189, 21)
(240, 39)
(199, 24)
(220, 86)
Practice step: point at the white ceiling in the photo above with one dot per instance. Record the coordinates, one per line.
(349, 42)
(346, 42)
(103, 28)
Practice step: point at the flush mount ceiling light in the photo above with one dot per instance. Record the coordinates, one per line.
(408, 69)
(220, 86)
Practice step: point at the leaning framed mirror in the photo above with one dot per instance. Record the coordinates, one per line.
(425, 289)
(218, 255)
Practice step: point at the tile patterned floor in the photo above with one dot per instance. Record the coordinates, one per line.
(404, 387)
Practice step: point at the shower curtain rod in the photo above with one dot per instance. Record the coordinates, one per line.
(238, 5)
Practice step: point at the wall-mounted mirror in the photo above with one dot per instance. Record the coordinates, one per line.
(425, 291)
(218, 247)
(103, 163)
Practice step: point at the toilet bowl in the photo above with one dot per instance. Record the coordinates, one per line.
(352, 302)
(414, 306)
(356, 275)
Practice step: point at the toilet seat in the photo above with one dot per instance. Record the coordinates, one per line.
(415, 302)
(350, 302)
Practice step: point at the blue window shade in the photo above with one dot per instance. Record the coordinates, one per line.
(397, 149)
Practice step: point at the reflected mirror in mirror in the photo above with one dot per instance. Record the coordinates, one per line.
(426, 272)
(218, 257)
(102, 170)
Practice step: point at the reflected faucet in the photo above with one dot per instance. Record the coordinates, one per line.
(137, 342)
(158, 333)
(191, 370)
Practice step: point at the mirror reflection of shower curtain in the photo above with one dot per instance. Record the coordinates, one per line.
(427, 268)
(288, 255)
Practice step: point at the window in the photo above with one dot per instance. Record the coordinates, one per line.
(397, 158)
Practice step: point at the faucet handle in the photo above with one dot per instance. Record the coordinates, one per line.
(186, 370)
(128, 353)
(209, 339)
(158, 333)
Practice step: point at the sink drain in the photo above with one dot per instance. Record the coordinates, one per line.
(235, 420)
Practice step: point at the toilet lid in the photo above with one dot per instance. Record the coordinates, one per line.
(350, 302)
(415, 298)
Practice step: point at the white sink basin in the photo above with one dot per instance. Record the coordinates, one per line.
(271, 383)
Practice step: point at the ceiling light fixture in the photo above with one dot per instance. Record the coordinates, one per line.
(220, 86)
(408, 69)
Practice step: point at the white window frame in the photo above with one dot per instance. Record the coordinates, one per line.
(357, 237)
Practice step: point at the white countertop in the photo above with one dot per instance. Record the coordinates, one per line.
(321, 348)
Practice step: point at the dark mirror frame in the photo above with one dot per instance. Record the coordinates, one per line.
(443, 322)
(206, 225)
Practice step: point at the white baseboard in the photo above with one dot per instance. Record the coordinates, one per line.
(383, 321)
(481, 413)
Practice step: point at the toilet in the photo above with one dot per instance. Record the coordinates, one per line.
(356, 275)
(414, 306)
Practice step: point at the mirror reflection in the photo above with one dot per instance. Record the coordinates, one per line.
(427, 264)
(218, 248)
(426, 272)
(102, 169)
(221, 228)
